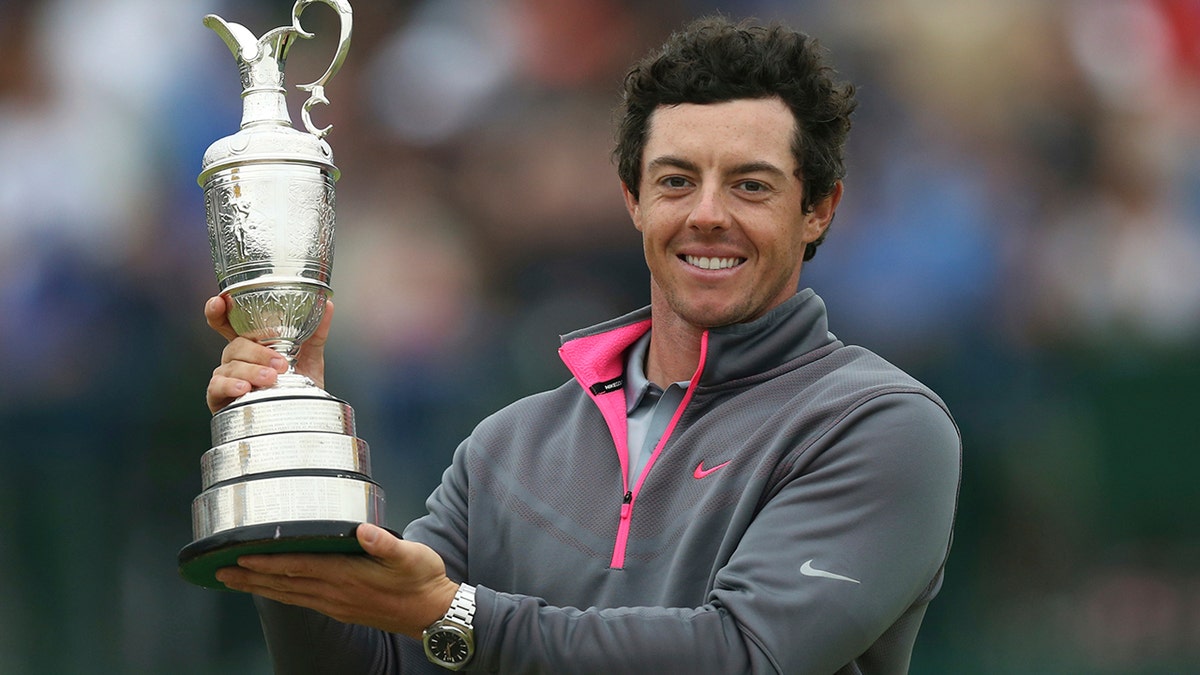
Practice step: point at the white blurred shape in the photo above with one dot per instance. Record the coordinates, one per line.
(433, 77)
(1124, 47)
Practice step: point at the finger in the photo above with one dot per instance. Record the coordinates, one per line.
(227, 383)
(321, 335)
(248, 351)
(224, 390)
(285, 597)
(378, 542)
(256, 374)
(292, 591)
(418, 564)
(323, 566)
(311, 359)
(319, 599)
(314, 347)
(216, 313)
(235, 378)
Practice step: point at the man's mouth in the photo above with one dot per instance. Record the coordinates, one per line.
(705, 263)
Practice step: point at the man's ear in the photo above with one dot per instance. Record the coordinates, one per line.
(631, 205)
(817, 220)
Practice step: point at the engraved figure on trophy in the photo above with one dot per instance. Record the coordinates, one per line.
(286, 472)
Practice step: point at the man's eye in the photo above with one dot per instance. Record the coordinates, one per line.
(753, 186)
(675, 182)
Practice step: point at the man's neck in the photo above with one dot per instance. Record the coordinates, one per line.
(674, 351)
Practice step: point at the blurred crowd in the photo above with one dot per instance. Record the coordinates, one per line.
(1021, 230)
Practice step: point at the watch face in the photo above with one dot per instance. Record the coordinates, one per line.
(449, 646)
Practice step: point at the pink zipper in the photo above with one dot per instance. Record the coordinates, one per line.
(618, 559)
(627, 501)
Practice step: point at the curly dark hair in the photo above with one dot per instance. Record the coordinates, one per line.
(713, 60)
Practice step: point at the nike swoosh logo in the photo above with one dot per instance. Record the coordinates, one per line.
(701, 472)
(809, 571)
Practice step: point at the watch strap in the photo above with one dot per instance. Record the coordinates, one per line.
(462, 607)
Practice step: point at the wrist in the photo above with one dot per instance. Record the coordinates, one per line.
(443, 597)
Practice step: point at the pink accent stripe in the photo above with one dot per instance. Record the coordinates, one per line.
(618, 558)
(598, 358)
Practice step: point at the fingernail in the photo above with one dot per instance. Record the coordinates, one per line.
(279, 363)
(265, 373)
(241, 385)
(370, 534)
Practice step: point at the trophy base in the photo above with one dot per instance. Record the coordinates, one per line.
(200, 560)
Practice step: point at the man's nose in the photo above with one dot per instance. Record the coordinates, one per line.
(710, 211)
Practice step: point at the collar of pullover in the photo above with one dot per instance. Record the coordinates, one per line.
(795, 328)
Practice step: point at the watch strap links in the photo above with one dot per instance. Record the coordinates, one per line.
(462, 607)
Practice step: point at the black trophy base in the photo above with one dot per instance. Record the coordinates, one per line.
(200, 560)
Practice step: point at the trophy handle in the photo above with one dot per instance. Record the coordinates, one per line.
(316, 88)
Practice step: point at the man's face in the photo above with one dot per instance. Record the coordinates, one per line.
(719, 210)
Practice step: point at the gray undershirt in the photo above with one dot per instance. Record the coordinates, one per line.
(648, 408)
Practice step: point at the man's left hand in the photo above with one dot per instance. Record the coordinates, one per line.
(399, 586)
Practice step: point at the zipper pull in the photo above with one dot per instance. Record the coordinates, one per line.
(626, 507)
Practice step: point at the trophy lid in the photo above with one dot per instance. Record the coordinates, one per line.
(266, 134)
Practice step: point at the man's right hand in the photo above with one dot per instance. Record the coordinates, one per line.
(246, 364)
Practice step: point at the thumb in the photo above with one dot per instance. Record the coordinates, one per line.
(321, 335)
(377, 542)
(216, 313)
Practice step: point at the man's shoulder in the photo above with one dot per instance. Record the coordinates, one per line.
(536, 408)
(849, 374)
(862, 364)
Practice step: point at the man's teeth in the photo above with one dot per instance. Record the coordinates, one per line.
(713, 263)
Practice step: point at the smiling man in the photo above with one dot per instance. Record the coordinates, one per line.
(720, 204)
(723, 487)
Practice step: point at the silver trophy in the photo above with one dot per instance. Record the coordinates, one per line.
(286, 472)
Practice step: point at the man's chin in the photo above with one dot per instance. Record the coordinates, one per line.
(709, 317)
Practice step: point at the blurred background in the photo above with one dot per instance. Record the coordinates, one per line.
(1021, 230)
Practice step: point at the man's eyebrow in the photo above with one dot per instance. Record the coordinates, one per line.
(673, 162)
(758, 167)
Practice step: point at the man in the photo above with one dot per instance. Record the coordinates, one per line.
(724, 487)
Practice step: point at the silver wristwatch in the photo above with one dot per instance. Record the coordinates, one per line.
(450, 641)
